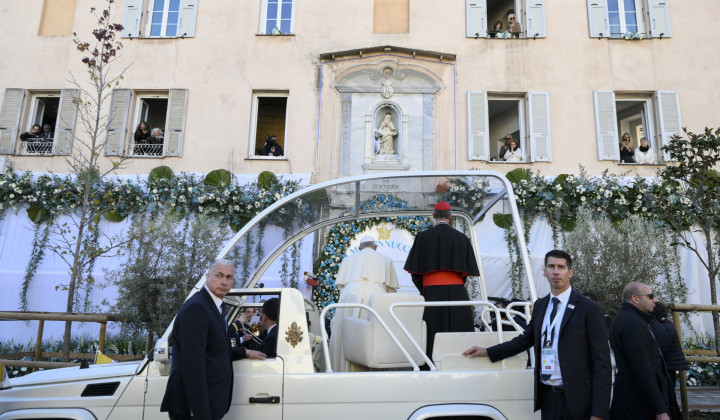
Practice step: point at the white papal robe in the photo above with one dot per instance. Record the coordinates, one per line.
(361, 275)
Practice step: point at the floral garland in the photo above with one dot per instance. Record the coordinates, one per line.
(185, 193)
(338, 239)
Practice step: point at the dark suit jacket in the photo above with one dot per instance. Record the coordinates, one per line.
(269, 343)
(641, 385)
(201, 379)
(583, 354)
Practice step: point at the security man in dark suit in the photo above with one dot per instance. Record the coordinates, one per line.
(572, 357)
(201, 379)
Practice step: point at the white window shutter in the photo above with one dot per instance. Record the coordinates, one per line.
(117, 122)
(476, 18)
(132, 18)
(175, 124)
(188, 16)
(598, 18)
(535, 19)
(606, 125)
(10, 119)
(668, 105)
(65, 124)
(659, 19)
(539, 107)
(478, 125)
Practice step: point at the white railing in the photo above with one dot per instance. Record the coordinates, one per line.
(36, 147)
(147, 149)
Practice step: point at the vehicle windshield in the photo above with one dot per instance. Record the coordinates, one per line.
(299, 222)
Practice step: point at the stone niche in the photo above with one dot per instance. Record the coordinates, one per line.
(387, 116)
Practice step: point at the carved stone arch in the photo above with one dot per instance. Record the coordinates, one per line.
(405, 77)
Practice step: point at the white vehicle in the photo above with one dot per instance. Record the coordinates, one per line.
(289, 385)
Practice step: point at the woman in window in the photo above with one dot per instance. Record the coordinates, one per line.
(626, 149)
(644, 154)
(142, 132)
(514, 26)
(156, 136)
(497, 28)
(513, 153)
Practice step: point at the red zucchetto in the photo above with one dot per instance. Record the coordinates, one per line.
(443, 205)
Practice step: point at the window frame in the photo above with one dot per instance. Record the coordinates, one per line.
(522, 110)
(137, 19)
(653, 17)
(31, 116)
(164, 21)
(252, 139)
(477, 22)
(137, 117)
(663, 121)
(262, 30)
(639, 18)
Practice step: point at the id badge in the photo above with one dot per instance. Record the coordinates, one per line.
(547, 359)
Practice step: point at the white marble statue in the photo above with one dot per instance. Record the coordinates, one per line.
(386, 132)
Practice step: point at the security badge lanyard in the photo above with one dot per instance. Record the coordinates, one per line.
(548, 353)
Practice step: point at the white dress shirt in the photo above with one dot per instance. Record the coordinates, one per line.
(556, 377)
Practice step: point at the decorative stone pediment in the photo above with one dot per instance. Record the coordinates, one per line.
(385, 76)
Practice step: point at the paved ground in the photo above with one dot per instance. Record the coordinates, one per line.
(703, 398)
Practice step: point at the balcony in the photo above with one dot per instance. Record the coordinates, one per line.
(36, 147)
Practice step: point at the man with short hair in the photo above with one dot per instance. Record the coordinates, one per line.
(572, 358)
(361, 275)
(641, 384)
(270, 316)
(201, 379)
(34, 133)
(439, 263)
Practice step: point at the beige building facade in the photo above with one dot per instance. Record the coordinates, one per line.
(363, 86)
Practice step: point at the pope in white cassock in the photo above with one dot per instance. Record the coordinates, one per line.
(361, 275)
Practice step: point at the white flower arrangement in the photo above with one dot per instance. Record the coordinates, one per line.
(633, 35)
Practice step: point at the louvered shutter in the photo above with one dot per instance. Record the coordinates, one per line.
(478, 126)
(606, 125)
(188, 16)
(132, 18)
(598, 18)
(539, 109)
(117, 122)
(535, 19)
(10, 119)
(175, 125)
(476, 17)
(659, 18)
(668, 105)
(65, 125)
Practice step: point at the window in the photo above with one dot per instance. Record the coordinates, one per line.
(278, 17)
(55, 109)
(269, 113)
(161, 19)
(629, 19)
(655, 116)
(481, 16)
(492, 117)
(163, 110)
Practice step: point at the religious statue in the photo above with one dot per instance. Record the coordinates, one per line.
(385, 133)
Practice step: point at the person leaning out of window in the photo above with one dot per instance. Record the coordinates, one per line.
(645, 154)
(626, 149)
(497, 29)
(142, 132)
(32, 134)
(513, 26)
(271, 146)
(513, 153)
(156, 136)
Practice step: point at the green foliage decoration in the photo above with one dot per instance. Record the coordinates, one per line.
(218, 178)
